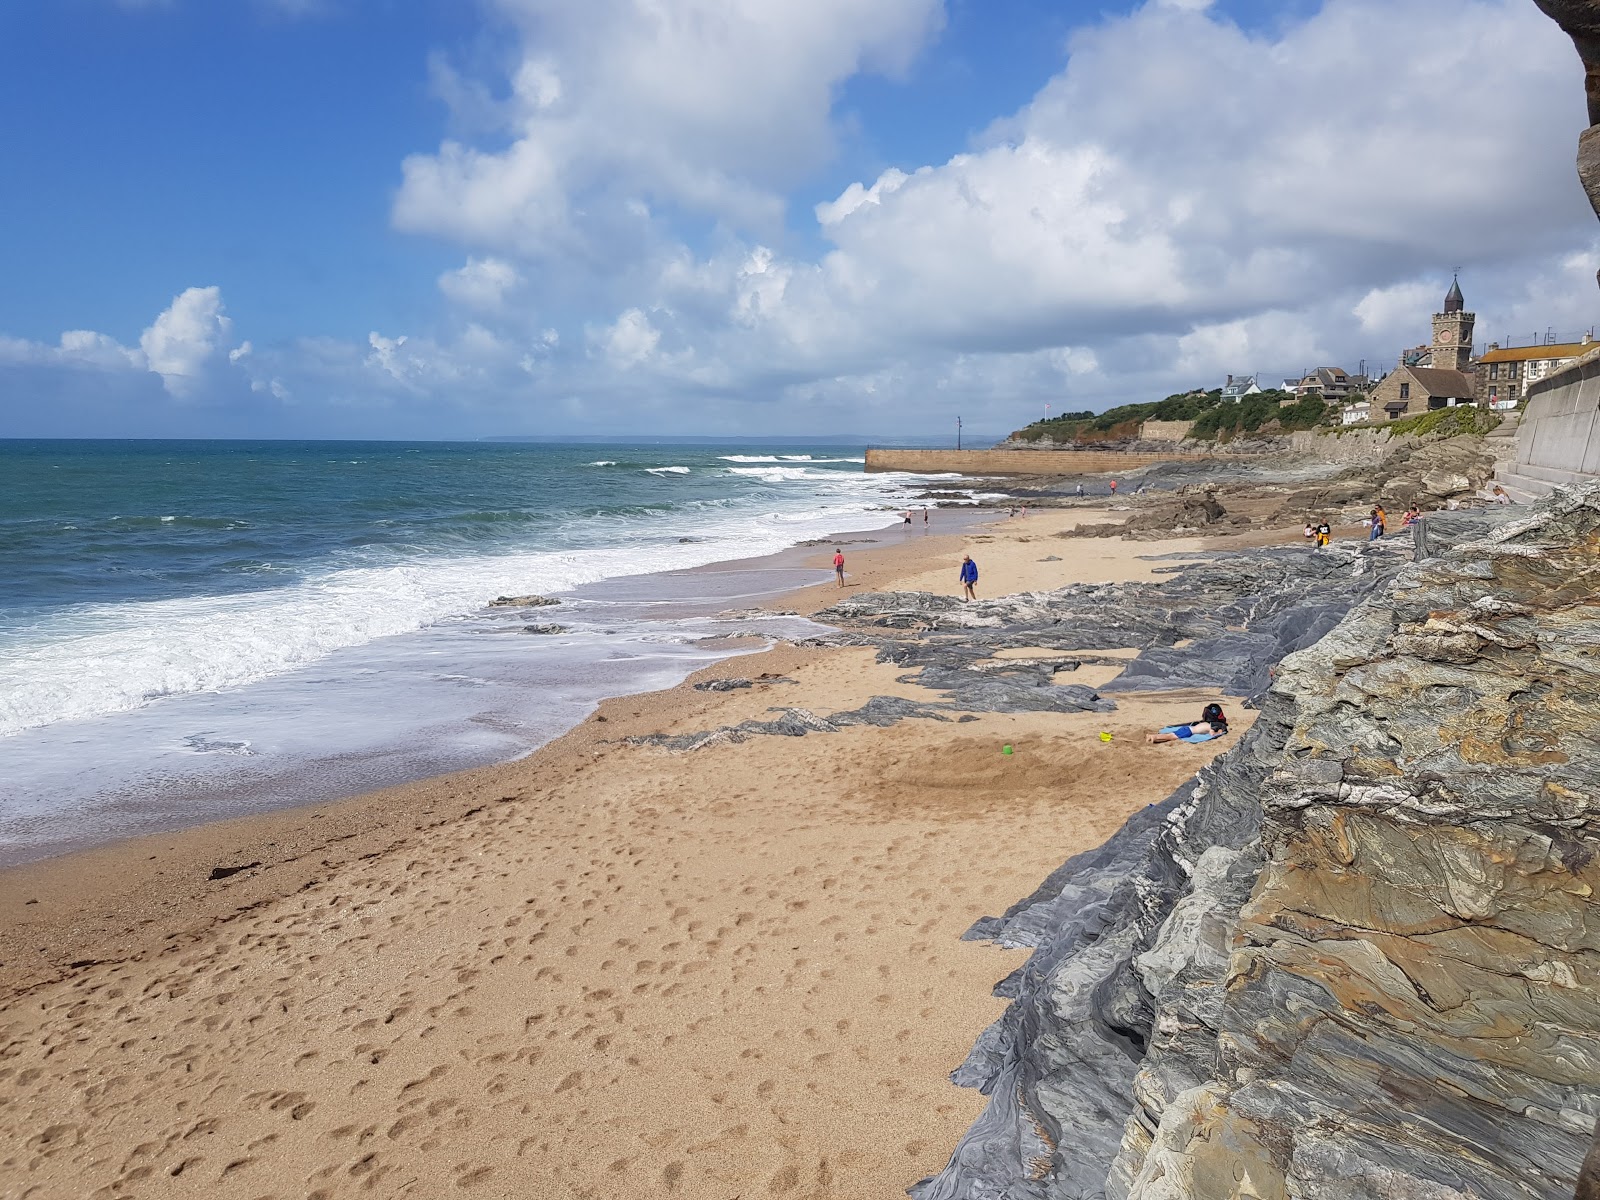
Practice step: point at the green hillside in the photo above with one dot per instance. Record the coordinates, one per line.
(1212, 417)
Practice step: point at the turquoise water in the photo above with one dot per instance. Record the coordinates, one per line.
(176, 617)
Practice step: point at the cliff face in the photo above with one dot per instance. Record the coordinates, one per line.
(1358, 957)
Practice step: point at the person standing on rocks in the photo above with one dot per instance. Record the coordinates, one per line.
(1324, 534)
(838, 565)
(969, 578)
(1378, 519)
(1113, 487)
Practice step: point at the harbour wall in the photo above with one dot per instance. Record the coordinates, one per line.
(1558, 437)
(1017, 462)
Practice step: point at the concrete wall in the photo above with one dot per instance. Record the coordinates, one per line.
(1014, 462)
(1559, 434)
(1165, 431)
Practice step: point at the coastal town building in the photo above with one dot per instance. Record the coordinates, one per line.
(1355, 412)
(1451, 349)
(1239, 386)
(1504, 376)
(1408, 390)
(1333, 384)
(1439, 375)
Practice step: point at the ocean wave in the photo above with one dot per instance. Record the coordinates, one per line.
(667, 470)
(782, 458)
(604, 462)
(90, 660)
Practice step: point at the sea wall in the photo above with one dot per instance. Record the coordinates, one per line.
(1358, 958)
(1165, 431)
(1355, 446)
(1015, 462)
(1558, 438)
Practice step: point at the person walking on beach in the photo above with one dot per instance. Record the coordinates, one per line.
(924, 518)
(838, 565)
(969, 578)
(1113, 487)
(908, 516)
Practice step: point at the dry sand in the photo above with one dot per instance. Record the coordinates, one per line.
(604, 970)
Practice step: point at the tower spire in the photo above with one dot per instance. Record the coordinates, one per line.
(1453, 300)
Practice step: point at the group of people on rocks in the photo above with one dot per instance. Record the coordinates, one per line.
(1320, 533)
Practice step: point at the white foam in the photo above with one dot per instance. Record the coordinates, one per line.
(604, 462)
(667, 470)
(776, 458)
(94, 659)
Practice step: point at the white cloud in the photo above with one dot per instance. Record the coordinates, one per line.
(482, 284)
(631, 340)
(713, 106)
(182, 341)
(1184, 199)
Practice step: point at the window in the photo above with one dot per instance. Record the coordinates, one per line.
(1494, 371)
(1405, 391)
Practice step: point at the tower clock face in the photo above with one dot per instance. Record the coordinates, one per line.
(1447, 335)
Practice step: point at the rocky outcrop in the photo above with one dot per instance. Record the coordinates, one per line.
(1190, 510)
(1358, 957)
(1581, 21)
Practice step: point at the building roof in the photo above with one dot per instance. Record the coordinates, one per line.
(1453, 301)
(1437, 381)
(1529, 353)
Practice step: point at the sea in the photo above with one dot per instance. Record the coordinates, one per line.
(192, 630)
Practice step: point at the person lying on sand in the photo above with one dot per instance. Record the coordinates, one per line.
(1213, 723)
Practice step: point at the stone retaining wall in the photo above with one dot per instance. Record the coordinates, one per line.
(1015, 462)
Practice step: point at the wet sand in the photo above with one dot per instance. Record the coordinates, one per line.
(600, 970)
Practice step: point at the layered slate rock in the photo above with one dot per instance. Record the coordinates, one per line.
(1358, 958)
(1218, 620)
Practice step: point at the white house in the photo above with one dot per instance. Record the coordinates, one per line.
(1240, 386)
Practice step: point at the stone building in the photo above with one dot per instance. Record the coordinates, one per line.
(1406, 391)
(1504, 376)
(1451, 349)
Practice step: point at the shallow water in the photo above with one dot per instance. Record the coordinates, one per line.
(195, 630)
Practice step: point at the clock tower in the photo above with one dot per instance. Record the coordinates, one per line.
(1452, 333)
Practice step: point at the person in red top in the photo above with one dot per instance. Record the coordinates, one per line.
(838, 565)
(1113, 487)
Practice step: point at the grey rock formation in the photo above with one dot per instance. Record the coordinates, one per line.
(1357, 960)
(522, 602)
(1219, 620)
(1581, 21)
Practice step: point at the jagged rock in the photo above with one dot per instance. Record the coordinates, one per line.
(544, 629)
(522, 602)
(1186, 511)
(1357, 958)
(722, 685)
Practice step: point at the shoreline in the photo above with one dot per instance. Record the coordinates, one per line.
(148, 867)
(768, 933)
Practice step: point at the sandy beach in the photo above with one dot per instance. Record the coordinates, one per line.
(605, 969)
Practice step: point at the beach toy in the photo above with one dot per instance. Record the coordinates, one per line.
(1005, 749)
(1104, 736)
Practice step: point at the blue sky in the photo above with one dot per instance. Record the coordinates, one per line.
(431, 218)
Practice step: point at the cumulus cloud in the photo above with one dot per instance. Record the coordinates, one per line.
(482, 284)
(1183, 199)
(183, 340)
(619, 107)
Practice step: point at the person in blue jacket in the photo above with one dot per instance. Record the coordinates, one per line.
(1213, 723)
(969, 578)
